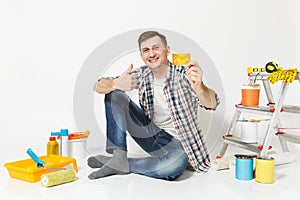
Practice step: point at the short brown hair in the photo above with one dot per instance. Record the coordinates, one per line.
(150, 34)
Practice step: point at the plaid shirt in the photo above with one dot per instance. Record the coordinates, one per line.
(183, 104)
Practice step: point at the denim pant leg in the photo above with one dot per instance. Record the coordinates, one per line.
(168, 164)
(168, 159)
(122, 115)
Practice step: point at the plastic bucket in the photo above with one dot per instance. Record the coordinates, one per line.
(77, 146)
(250, 95)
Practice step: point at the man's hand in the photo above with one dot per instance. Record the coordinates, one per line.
(206, 96)
(194, 75)
(126, 81)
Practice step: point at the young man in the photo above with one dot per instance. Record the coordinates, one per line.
(165, 124)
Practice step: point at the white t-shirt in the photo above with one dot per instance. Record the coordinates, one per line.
(162, 115)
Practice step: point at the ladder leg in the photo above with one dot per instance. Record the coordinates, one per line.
(274, 120)
(234, 120)
(223, 150)
(266, 84)
(283, 143)
(231, 130)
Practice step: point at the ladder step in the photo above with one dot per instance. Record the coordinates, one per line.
(254, 147)
(289, 137)
(291, 109)
(257, 109)
(268, 109)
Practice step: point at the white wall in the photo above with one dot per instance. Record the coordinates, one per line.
(43, 45)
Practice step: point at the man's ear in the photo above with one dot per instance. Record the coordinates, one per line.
(140, 53)
(168, 50)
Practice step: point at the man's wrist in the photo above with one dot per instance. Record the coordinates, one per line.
(201, 88)
(114, 84)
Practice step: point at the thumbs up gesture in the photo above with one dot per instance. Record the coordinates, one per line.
(126, 81)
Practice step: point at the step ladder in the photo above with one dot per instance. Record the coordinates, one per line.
(273, 109)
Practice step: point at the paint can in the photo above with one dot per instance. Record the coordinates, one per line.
(244, 167)
(249, 131)
(78, 145)
(264, 172)
(250, 94)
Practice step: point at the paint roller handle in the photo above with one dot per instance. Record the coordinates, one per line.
(36, 159)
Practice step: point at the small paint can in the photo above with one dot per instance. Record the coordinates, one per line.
(250, 94)
(244, 167)
(249, 131)
(264, 172)
(77, 147)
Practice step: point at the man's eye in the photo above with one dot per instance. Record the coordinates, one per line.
(156, 47)
(145, 50)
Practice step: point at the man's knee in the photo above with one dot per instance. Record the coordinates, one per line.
(116, 95)
(176, 168)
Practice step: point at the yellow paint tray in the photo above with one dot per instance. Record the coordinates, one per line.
(27, 170)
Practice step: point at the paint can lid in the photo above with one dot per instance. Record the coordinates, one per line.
(252, 86)
(75, 136)
(265, 158)
(245, 157)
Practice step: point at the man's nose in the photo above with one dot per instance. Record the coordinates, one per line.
(152, 52)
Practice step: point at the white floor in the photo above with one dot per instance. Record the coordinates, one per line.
(189, 186)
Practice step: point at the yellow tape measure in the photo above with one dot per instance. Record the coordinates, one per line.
(272, 67)
(287, 76)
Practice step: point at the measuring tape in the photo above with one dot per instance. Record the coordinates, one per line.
(272, 67)
(287, 76)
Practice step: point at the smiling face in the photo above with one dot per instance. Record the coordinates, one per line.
(154, 52)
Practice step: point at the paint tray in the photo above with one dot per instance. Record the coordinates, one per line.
(27, 170)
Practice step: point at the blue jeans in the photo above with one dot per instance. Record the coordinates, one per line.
(167, 158)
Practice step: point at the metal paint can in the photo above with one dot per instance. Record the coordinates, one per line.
(249, 131)
(244, 167)
(250, 94)
(264, 172)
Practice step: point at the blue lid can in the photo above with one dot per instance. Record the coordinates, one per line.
(244, 167)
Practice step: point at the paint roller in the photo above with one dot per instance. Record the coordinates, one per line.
(53, 178)
(58, 178)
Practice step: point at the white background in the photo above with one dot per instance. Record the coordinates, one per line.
(43, 45)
